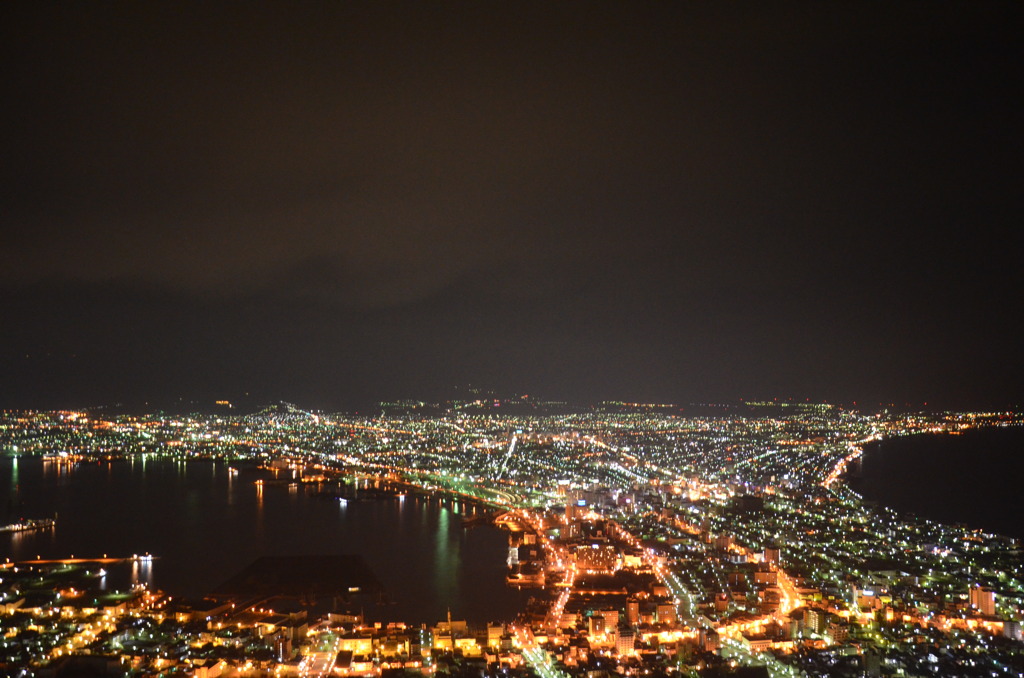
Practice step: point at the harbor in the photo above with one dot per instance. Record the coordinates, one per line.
(31, 524)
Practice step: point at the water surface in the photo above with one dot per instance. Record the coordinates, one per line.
(206, 523)
(975, 478)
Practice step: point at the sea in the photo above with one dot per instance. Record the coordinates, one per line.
(205, 521)
(975, 478)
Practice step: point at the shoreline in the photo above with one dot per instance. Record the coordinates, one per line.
(901, 481)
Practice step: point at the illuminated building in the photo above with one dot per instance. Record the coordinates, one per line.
(983, 600)
(625, 644)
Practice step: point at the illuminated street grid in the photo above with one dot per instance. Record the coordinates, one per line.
(659, 544)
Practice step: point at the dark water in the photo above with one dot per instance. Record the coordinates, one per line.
(205, 524)
(976, 478)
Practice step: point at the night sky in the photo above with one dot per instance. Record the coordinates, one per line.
(338, 203)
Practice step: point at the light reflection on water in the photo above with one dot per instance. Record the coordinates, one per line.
(205, 526)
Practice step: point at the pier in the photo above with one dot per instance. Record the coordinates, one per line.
(82, 561)
(31, 524)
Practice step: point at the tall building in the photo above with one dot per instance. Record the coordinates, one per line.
(633, 611)
(983, 600)
(814, 620)
(626, 642)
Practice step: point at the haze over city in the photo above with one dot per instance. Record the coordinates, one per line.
(336, 204)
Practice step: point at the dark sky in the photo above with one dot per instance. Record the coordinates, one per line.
(335, 203)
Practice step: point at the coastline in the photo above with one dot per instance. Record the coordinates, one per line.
(916, 474)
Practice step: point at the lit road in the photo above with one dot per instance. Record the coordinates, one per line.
(558, 606)
(686, 604)
(320, 662)
(556, 555)
(535, 656)
(790, 595)
(732, 648)
(687, 610)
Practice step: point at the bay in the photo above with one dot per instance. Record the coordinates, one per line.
(973, 478)
(204, 523)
